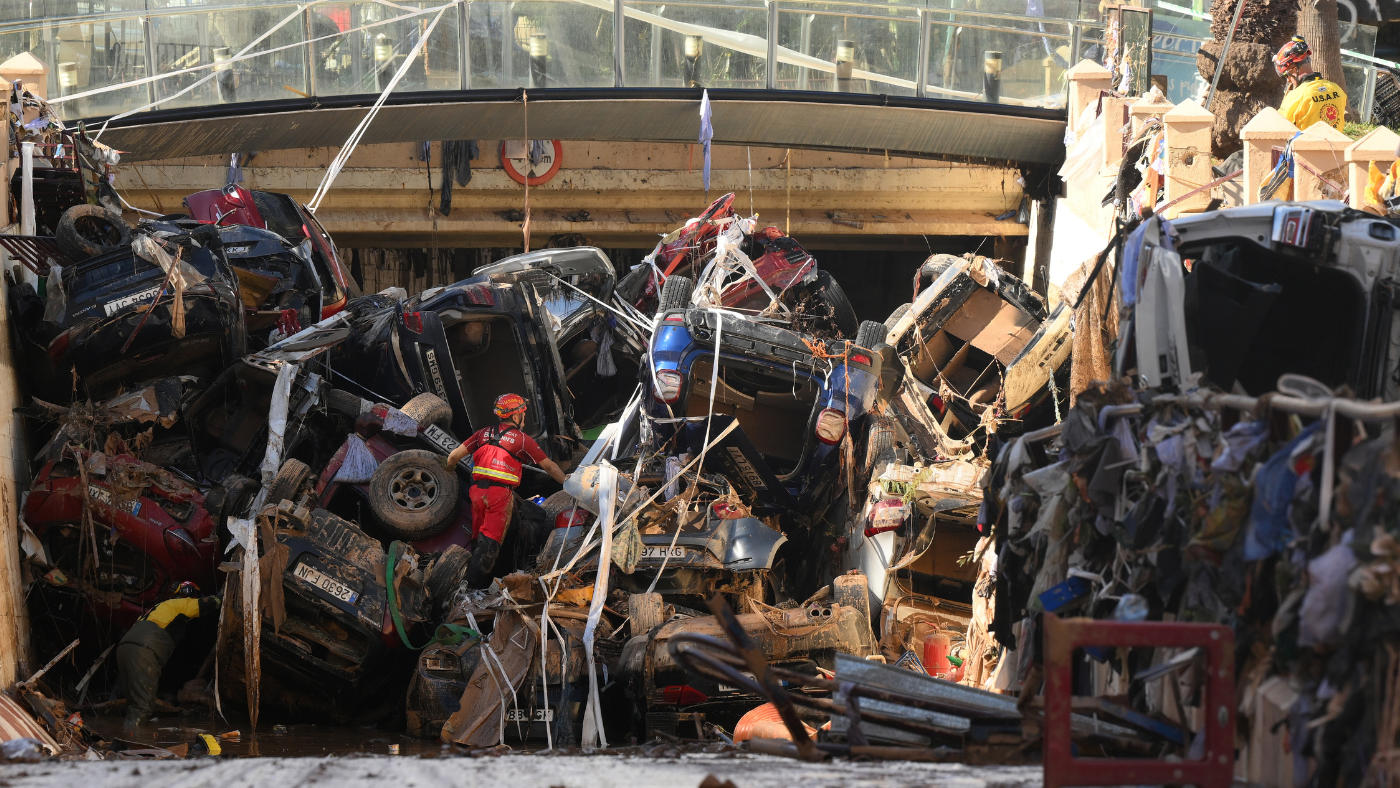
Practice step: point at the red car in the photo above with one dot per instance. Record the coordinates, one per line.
(148, 541)
(284, 216)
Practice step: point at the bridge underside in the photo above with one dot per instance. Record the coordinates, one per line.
(964, 131)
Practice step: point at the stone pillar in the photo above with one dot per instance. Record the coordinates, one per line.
(1153, 105)
(1261, 134)
(1086, 81)
(1320, 157)
(1115, 117)
(1378, 146)
(30, 70)
(1188, 156)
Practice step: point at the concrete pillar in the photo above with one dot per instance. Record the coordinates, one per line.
(30, 70)
(1378, 146)
(1086, 81)
(1261, 134)
(1115, 117)
(1320, 157)
(1153, 105)
(1188, 156)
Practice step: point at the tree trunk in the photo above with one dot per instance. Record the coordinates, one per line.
(1317, 22)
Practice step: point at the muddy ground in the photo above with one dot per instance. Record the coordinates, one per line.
(512, 771)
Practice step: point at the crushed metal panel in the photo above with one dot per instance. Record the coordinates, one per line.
(992, 325)
(956, 697)
(477, 722)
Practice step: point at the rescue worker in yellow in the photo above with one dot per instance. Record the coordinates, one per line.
(1310, 98)
(143, 652)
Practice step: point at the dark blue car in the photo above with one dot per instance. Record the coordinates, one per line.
(796, 402)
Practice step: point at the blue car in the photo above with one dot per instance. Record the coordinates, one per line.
(796, 402)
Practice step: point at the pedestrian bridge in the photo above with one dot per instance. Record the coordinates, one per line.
(173, 78)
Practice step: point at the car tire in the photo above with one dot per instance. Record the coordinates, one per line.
(447, 573)
(556, 505)
(90, 230)
(934, 268)
(879, 441)
(896, 316)
(411, 495)
(230, 497)
(342, 401)
(289, 480)
(675, 293)
(429, 409)
(870, 334)
(843, 315)
(647, 611)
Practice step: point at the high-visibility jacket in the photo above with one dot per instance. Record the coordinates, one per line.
(494, 458)
(1313, 100)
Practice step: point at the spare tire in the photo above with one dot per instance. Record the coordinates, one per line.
(344, 402)
(90, 230)
(447, 572)
(412, 496)
(870, 334)
(289, 480)
(675, 293)
(897, 315)
(429, 409)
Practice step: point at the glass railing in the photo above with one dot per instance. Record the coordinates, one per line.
(115, 56)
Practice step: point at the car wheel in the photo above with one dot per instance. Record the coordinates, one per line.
(447, 573)
(870, 334)
(412, 496)
(647, 611)
(90, 230)
(842, 314)
(291, 477)
(556, 505)
(675, 293)
(429, 409)
(897, 315)
(341, 401)
(230, 498)
(879, 442)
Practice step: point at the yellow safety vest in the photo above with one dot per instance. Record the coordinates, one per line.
(1315, 100)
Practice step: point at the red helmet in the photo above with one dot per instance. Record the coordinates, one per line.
(1292, 55)
(186, 590)
(508, 405)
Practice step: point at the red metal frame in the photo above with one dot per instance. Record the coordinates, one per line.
(1063, 636)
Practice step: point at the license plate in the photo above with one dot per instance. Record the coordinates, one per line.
(326, 583)
(660, 553)
(99, 494)
(529, 715)
(113, 307)
(440, 438)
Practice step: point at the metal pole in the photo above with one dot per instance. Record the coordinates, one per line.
(1368, 100)
(508, 47)
(148, 32)
(619, 37)
(925, 45)
(1076, 40)
(464, 53)
(357, 49)
(1220, 65)
(772, 65)
(308, 57)
(803, 71)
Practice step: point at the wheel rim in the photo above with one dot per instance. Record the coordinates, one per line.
(413, 489)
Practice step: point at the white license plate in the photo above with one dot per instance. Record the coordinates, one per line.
(326, 583)
(113, 307)
(100, 494)
(659, 553)
(440, 438)
(529, 715)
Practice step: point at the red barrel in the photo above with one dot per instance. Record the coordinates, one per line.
(936, 648)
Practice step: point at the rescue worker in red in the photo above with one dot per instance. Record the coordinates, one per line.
(497, 454)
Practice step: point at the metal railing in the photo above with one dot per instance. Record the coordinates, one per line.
(120, 56)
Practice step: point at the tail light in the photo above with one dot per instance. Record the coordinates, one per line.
(888, 514)
(414, 321)
(831, 426)
(937, 403)
(180, 544)
(668, 386)
(571, 517)
(860, 358)
(682, 695)
(58, 348)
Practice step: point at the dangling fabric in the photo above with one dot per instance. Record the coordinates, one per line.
(602, 334)
(359, 464)
(707, 133)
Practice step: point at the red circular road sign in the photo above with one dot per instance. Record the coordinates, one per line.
(516, 163)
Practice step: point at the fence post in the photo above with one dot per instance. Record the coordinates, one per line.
(30, 70)
(1153, 105)
(1086, 81)
(1188, 155)
(1267, 130)
(1319, 156)
(1378, 146)
(1115, 117)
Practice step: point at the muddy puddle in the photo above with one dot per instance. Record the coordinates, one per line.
(290, 740)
